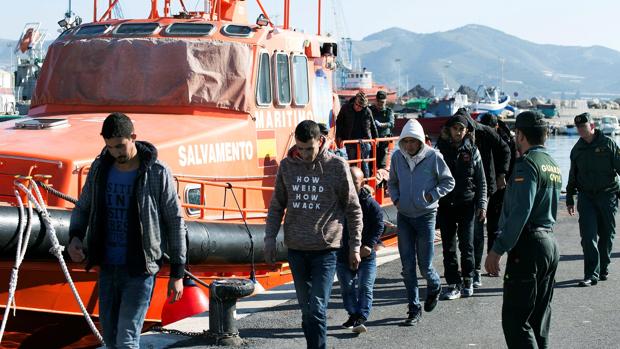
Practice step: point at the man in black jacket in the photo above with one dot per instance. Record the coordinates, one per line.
(495, 202)
(495, 155)
(355, 121)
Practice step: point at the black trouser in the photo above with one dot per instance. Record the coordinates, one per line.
(382, 152)
(457, 220)
(528, 290)
(494, 210)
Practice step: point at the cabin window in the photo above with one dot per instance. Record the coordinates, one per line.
(237, 30)
(283, 79)
(90, 30)
(263, 87)
(190, 29)
(300, 79)
(137, 29)
(192, 196)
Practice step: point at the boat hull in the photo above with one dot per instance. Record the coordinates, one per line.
(215, 251)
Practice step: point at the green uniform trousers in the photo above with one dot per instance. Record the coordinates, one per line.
(597, 227)
(528, 290)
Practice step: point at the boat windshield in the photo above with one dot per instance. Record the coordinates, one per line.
(146, 72)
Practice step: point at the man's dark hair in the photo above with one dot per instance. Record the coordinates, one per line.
(323, 129)
(535, 135)
(307, 130)
(117, 125)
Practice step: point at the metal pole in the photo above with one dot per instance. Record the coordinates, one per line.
(319, 31)
(398, 82)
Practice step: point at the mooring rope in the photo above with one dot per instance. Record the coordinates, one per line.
(56, 250)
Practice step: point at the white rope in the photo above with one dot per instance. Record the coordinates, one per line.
(18, 260)
(56, 250)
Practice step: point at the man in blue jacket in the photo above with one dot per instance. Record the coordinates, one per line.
(358, 302)
(419, 177)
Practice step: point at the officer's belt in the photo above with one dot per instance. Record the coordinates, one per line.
(535, 231)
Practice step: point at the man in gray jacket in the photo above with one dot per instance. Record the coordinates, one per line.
(315, 188)
(129, 213)
(419, 177)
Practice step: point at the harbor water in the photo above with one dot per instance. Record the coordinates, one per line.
(559, 147)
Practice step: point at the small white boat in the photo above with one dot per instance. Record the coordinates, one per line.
(568, 129)
(491, 101)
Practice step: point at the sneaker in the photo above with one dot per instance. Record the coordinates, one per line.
(587, 282)
(431, 300)
(413, 316)
(358, 326)
(477, 281)
(468, 288)
(604, 277)
(349, 323)
(452, 292)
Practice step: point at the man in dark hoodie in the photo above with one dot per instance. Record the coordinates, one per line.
(128, 207)
(315, 188)
(357, 285)
(459, 208)
(495, 155)
(594, 166)
(494, 208)
(355, 122)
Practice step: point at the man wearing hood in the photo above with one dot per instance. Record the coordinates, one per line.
(315, 188)
(464, 204)
(594, 166)
(494, 207)
(495, 155)
(419, 177)
(128, 208)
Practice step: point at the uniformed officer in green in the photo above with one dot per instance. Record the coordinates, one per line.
(384, 120)
(594, 163)
(526, 233)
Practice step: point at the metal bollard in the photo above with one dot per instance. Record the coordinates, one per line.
(223, 295)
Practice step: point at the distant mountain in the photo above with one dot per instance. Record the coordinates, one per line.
(473, 55)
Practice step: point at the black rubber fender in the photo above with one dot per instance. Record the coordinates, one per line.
(231, 288)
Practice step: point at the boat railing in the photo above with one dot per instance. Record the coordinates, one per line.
(244, 205)
(243, 208)
(372, 160)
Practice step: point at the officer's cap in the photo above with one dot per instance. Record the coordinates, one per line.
(529, 119)
(583, 118)
(381, 94)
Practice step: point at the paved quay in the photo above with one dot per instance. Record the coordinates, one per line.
(582, 317)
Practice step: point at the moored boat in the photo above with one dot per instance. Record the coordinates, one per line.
(218, 96)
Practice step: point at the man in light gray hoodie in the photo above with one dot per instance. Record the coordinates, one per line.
(316, 189)
(419, 177)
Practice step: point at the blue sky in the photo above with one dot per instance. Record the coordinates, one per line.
(543, 21)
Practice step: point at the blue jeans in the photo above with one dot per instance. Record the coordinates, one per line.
(313, 274)
(352, 155)
(358, 301)
(123, 302)
(415, 240)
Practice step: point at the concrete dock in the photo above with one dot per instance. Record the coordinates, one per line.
(582, 317)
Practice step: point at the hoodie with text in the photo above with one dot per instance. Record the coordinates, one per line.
(317, 196)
